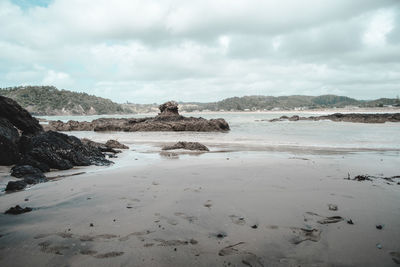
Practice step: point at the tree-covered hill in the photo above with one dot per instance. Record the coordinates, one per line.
(48, 100)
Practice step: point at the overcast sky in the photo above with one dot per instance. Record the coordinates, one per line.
(152, 51)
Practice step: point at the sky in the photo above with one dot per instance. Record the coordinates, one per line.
(146, 51)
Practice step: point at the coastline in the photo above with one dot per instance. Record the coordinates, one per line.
(309, 111)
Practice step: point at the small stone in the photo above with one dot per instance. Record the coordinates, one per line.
(350, 221)
(379, 226)
(333, 207)
(91, 224)
(379, 246)
(254, 226)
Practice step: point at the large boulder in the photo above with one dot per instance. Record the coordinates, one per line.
(169, 109)
(9, 137)
(167, 120)
(16, 186)
(19, 116)
(60, 151)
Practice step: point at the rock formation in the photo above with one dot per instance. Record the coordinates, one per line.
(351, 117)
(167, 120)
(188, 146)
(36, 151)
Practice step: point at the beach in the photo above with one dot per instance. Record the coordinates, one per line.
(267, 194)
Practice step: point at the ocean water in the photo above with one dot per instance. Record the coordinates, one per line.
(252, 132)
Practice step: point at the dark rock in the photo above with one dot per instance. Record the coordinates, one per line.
(18, 116)
(294, 118)
(254, 226)
(168, 120)
(28, 160)
(350, 117)
(362, 178)
(16, 186)
(9, 137)
(350, 221)
(187, 145)
(100, 146)
(61, 151)
(20, 171)
(17, 210)
(33, 179)
(379, 227)
(115, 144)
(169, 109)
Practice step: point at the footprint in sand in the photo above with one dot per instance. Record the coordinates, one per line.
(111, 254)
(239, 220)
(249, 259)
(176, 242)
(311, 216)
(137, 234)
(302, 234)
(188, 218)
(395, 256)
(47, 248)
(196, 190)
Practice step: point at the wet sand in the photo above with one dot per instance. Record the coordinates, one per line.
(213, 209)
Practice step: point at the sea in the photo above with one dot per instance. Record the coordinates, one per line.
(251, 131)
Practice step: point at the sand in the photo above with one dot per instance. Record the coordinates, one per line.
(212, 209)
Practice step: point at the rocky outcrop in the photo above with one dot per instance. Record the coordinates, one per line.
(187, 145)
(107, 147)
(169, 109)
(60, 151)
(167, 120)
(18, 116)
(36, 151)
(351, 117)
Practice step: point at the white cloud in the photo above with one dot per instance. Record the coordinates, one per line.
(59, 79)
(151, 51)
(381, 24)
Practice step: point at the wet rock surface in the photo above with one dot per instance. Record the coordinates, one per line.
(350, 117)
(9, 137)
(16, 186)
(115, 144)
(167, 120)
(20, 171)
(187, 145)
(17, 210)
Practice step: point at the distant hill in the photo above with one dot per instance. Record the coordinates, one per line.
(286, 103)
(48, 100)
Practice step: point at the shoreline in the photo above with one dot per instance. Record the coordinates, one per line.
(310, 111)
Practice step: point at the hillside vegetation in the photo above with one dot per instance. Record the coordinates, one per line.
(48, 100)
(287, 103)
